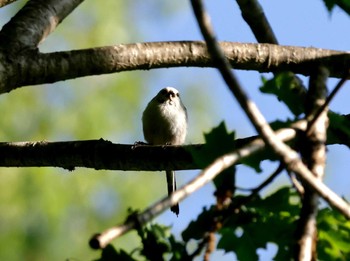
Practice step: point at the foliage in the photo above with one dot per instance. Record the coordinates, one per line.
(246, 228)
(343, 4)
(333, 236)
(288, 89)
(48, 213)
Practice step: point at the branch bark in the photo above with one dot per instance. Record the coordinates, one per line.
(254, 16)
(39, 68)
(313, 152)
(102, 154)
(33, 23)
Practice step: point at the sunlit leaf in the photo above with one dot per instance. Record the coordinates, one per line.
(272, 219)
(288, 90)
(333, 235)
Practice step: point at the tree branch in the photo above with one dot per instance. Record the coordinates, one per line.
(33, 23)
(38, 68)
(6, 2)
(102, 154)
(313, 152)
(254, 16)
(96, 154)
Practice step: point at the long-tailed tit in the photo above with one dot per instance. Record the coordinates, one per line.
(165, 123)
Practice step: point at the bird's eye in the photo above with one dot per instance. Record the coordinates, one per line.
(178, 94)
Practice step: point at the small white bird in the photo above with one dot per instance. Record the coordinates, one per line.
(164, 122)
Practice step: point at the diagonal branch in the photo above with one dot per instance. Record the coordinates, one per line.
(289, 157)
(38, 68)
(33, 23)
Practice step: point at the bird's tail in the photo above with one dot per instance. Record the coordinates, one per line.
(171, 181)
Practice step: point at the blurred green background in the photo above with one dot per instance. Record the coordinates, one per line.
(50, 213)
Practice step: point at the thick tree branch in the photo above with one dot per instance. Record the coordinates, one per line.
(102, 154)
(313, 151)
(37, 68)
(96, 154)
(33, 23)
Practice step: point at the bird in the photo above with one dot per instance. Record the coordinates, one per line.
(164, 122)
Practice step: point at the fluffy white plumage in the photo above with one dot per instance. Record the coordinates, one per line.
(164, 122)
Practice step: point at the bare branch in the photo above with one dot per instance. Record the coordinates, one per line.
(38, 68)
(96, 154)
(6, 2)
(313, 151)
(289, 157)
(102, 154)
(33, 23)
(328, 100)
(253, 14)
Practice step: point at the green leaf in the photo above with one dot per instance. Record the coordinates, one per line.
(197, 228)
(155, 241)
(158, 242)
(109, 253)
(329, 4)
(288, 89)
(272, 219)
(343, 4)
(217, 143)
(333, 235)
(242, 246)
(340, 131)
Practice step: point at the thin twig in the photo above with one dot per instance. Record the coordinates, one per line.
(266, 182)
(269, 179)
(296, 184)
(327, 102)
(288, 156)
